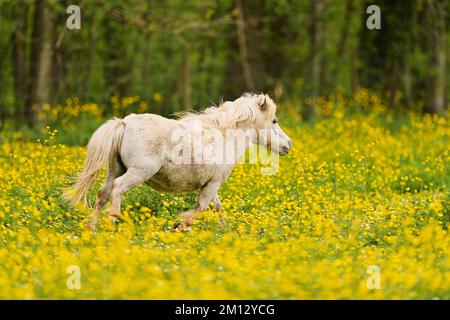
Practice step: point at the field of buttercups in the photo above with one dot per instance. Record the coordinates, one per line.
(360, 191)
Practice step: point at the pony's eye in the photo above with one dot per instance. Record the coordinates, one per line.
(274, 121)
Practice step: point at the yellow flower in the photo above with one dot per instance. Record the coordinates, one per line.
(352, 194)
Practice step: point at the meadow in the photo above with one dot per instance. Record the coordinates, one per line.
(363, 186)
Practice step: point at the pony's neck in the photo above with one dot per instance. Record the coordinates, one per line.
(240, 139)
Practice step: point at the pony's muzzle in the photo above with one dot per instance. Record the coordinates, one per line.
(286, 148)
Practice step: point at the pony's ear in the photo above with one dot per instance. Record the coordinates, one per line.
(264, 106)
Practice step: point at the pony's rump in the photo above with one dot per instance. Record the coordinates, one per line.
(103, 146)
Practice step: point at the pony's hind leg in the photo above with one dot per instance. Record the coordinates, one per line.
(115, 169)
(217, 203)
(218, 207)
(132, 178)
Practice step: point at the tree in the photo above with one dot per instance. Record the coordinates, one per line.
(41, 59)
(116, 61)
(436, 11)
(18, 61)
(242, 40)
(315, 55)
(383, 53)
(186, 77)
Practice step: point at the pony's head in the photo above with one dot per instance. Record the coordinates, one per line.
(250, 111)
(258, 111)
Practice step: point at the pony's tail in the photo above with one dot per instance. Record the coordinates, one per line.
(103, 146)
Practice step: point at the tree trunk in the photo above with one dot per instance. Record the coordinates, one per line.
(436, 42)
(383, 53)
(246, 61)
(60, 60)
(354, 71)
(116, 69)
(242, 39)
(60, 72)
(315, 46)
(345, 31)
(41, 59)
(186, 75)
(19, 63)
(342, 50)
(392, 82)
(407, 83)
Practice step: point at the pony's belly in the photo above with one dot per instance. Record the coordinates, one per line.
(158, 185)
(179, 178)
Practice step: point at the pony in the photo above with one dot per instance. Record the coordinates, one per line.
(147, 148)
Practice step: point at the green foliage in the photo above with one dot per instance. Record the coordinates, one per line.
(189, 52)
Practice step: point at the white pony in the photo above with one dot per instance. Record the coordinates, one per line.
(141, 148)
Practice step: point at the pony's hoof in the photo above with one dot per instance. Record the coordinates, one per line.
(110, 223)
(183, 228)
(222, 224)
(91, 224)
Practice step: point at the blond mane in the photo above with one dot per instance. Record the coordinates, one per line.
(229, 113)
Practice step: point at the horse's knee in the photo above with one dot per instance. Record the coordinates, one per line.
(103, 195)
(102, 198)
(117, 189)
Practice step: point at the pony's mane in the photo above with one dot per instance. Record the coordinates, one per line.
(227, 113)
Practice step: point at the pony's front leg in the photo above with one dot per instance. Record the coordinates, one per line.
(207, 194)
